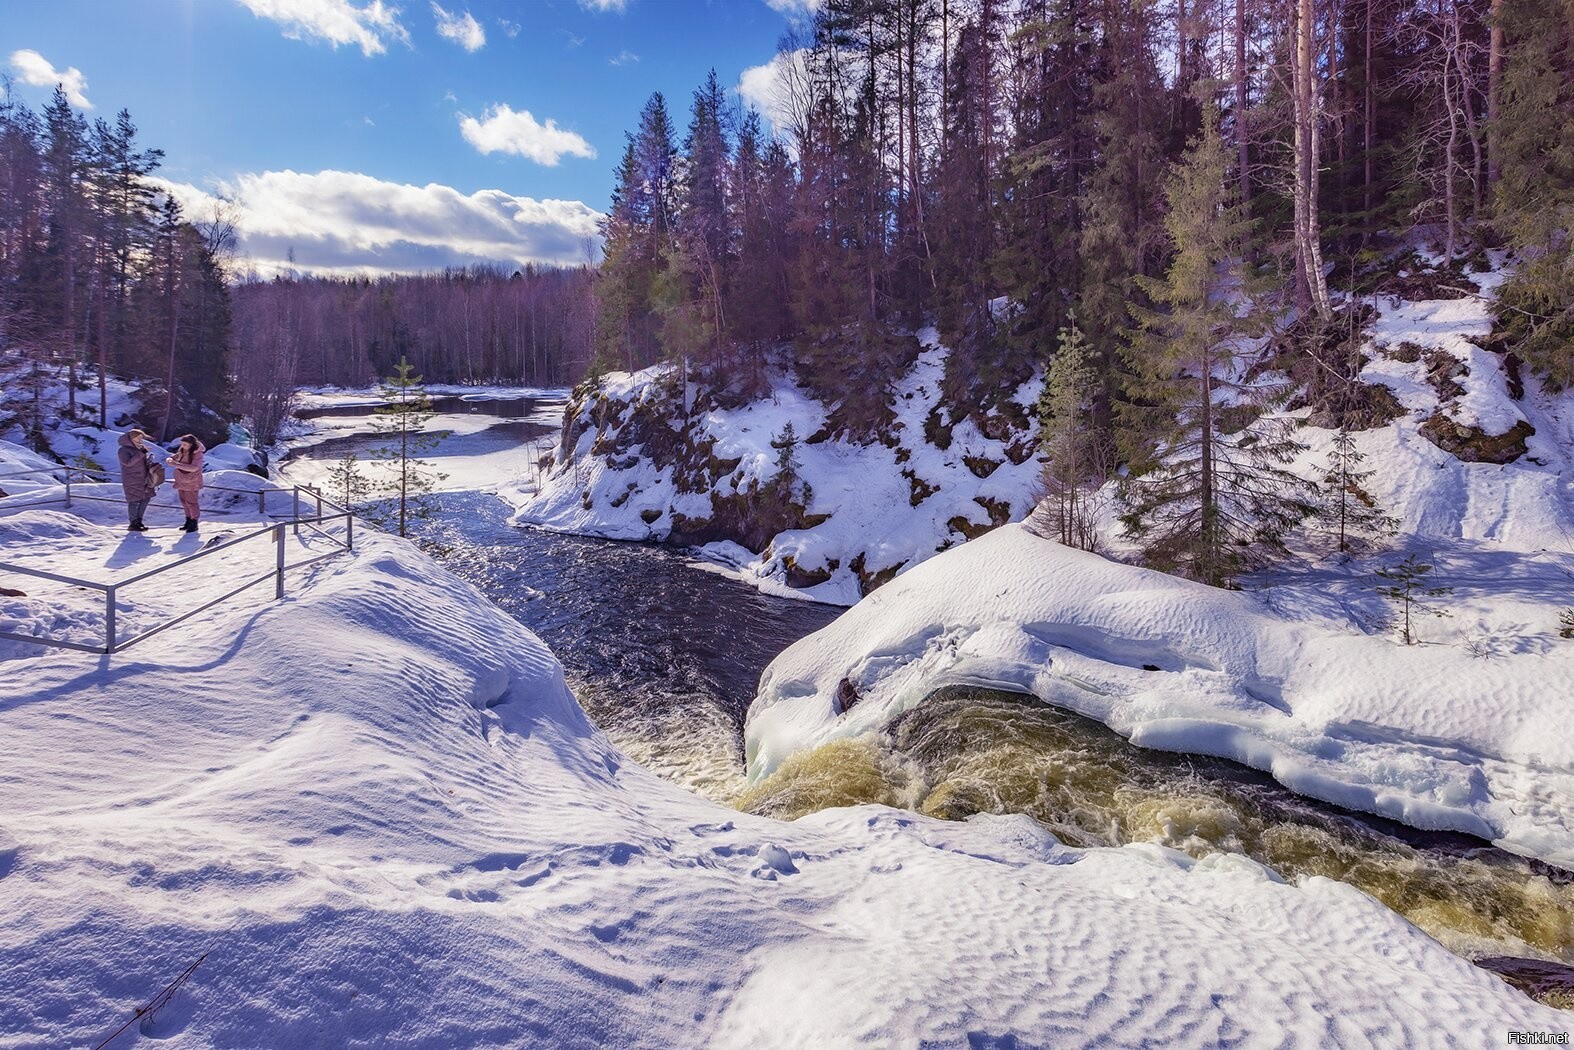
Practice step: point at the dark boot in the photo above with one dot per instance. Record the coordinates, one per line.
(191, 524)
(137, 526)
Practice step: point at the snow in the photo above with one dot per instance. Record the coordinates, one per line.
(378, 809)
(1433, 736)
(470, 459)
(1453, 326)
(308, 398)
(863, 490)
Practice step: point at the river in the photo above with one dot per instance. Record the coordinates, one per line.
(665, 653)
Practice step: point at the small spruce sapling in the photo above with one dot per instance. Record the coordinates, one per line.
(402, 419)
(1566, 623)
(1066, 440)
(350, 486)
(1408, 588)
(1347, 507)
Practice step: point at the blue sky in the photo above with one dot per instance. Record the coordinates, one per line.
(362, 136)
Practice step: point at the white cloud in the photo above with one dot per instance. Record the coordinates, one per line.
(795, 9)
(336, 21)
(604, 5)
(342, 222)
(768, 87)
(463, 29)
(510, 28)
(33, 68)
(504, 131)
(623, 58)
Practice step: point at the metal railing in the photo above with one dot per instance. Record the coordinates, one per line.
(78, 475)
(113, 641)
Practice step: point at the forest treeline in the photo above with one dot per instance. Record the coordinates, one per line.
(102, 274)
(1157, 186)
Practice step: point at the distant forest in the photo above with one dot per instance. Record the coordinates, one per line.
(101, 273)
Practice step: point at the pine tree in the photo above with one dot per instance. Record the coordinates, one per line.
(1566, 623)
(1068, 441)
(402, 418)
(1217, 498)
(1347, 506)
(1408, 587)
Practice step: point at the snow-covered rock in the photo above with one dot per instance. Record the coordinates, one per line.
(1434, 736)
(874, 509)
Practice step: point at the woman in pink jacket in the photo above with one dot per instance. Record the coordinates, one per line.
(187, 462)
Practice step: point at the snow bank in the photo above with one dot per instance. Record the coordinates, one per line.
(885, 506)
(1433, 736)
(378, 810)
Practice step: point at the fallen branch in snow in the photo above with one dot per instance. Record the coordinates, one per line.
(157, 1003)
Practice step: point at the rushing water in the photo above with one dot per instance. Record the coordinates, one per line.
(665, 656)
(966, 751)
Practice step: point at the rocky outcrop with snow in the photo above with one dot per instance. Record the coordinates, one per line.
(635, 464)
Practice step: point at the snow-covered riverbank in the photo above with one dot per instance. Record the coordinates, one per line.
(480, 450)
(380, 812)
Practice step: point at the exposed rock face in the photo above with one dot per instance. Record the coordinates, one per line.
(1472, 445)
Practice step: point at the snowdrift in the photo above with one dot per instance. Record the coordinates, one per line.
(377, 814)
(1434, 736)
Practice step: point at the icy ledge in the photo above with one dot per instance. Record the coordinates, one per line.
(1426, 735)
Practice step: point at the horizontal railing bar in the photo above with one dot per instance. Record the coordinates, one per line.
(25, 506)
(226, 545)
(6, 566)
(199, 609)
(56, 643)
(264, 531)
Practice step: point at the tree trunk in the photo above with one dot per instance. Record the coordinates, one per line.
(1242, 162)
(1494, 82)
(1312, 289)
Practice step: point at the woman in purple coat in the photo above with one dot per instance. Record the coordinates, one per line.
(135, 477)
(187, 462)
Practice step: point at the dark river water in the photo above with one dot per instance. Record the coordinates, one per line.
(665, 655)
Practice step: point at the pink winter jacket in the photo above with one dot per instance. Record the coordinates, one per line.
(188, 476)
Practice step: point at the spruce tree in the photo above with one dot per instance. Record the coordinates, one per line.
(1408, 587)
(1216, 498)
(350, 486)
(1347, 507)
(1068, 440)
(1534, 197)
(402, 419)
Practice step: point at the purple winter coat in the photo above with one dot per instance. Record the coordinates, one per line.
(134, 464)
(188, 476)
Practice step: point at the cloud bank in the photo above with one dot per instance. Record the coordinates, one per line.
(341, 222)
(336, 22)
(33, 68)
(501, 130)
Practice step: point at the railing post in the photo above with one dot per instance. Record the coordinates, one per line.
(349, 531)
(109, 620)
(278, 578)
(262, 501)
(295, 509)
(68, 488)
